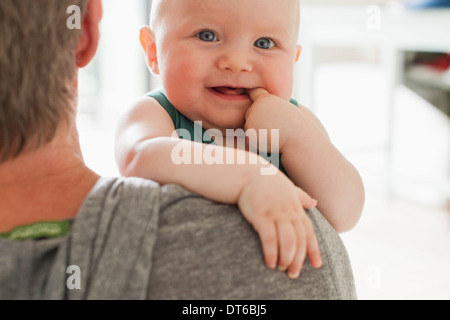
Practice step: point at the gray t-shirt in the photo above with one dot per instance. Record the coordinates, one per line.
(133, 239)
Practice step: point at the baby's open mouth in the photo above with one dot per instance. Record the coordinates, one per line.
(230, 91)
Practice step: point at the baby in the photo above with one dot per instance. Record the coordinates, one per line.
(228, 65)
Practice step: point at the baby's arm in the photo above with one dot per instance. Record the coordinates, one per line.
(272, 204)
(310, 159)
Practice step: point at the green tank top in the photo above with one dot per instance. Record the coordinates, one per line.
(188, 129)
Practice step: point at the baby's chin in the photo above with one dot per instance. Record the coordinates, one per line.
(231, 123)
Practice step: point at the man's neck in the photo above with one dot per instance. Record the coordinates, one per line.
(49, 184)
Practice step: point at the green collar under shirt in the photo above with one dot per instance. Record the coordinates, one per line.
(40, 230)
(189, 130)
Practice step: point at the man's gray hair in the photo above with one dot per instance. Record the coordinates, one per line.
(37, 64)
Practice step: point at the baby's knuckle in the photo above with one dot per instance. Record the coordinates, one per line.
(273, 215)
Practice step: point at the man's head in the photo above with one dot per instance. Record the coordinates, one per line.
(209, 52)
(39, 58)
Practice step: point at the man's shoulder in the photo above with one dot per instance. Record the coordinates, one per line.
(116, 187)
(140, 192)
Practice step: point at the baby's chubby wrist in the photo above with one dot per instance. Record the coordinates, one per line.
(258, 172)
(254, 184)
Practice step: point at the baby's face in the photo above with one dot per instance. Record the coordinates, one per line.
(211, 51)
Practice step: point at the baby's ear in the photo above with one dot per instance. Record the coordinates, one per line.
(299, 51)
(148, 44)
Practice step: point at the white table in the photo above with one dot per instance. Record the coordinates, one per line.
(393, 31)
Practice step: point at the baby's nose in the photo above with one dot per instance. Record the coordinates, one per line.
(235, 61)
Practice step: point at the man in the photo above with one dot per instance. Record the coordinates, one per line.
(66, 233)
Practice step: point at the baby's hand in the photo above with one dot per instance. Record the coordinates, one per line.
(269, 112)
(275, 208)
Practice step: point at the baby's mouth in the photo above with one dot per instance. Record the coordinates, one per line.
(230, 91)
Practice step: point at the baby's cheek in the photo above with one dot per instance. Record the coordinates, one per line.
(283, 90)
(278, 80)
(176, 80)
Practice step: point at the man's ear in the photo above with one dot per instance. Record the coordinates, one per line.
(299, 51)
(88, 43)
(148, 44)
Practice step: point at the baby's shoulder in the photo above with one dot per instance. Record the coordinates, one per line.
(146, 113)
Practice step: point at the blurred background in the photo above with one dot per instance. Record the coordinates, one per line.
(377, 74)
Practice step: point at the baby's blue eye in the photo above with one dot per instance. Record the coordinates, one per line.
(207, 36)
(264, 43)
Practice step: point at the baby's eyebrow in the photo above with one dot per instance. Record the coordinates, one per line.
(275, 31)
(190, 23)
